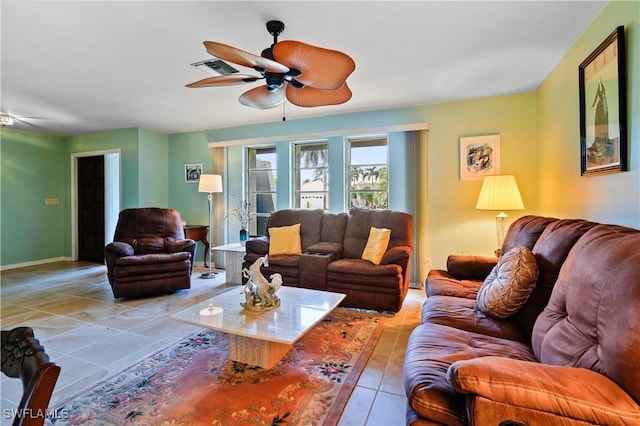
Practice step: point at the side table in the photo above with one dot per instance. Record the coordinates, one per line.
(233, 258)
(198, 233)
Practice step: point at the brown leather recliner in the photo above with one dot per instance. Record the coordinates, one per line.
(149, 254)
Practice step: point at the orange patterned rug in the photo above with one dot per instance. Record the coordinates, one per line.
(192, 383)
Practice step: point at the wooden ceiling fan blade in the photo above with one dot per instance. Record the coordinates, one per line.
(321, 68)
(311, 97)
(224, 80)
(240, 57)
(262, 98)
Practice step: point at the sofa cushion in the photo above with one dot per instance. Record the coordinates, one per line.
(151, 264)
(359, 226)
(326, 248)
(377, 244)
(551, 250)
(333, 226)
(431, 349)
(592, 319)
(363, 272)
(285, 240)
(509, 284)
(525, 231)
(310, 223)
(462, 313)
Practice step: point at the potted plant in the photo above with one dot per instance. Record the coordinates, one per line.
(241, 210)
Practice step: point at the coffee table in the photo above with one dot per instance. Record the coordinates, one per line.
(262, 338)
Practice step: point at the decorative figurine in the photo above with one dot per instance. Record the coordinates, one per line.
(260, 293)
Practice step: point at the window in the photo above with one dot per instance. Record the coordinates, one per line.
(261, 187)
(311, 168)
(368, 173)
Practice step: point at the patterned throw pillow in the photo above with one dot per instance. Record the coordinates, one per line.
(285, 240)
(509, 284)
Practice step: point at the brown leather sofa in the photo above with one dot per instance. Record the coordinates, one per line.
(149, 254)
(569, 356)
(332, 247)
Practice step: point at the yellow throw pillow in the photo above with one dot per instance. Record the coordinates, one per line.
(376, 245)
(285, 240)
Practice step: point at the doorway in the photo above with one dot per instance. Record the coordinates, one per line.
(91, 209)
(95, 203)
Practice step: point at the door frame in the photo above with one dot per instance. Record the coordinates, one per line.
(112, 191)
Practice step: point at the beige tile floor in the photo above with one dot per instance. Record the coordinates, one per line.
(91, 335)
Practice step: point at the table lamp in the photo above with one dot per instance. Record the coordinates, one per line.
(210, 184)
(500, 193)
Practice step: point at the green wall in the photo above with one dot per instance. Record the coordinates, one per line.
(189, 148)
(563, 192)
(32, 169)
(153, 163)
(126, 141)
(454, 225)
(36, 166)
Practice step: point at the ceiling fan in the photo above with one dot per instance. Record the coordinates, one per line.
(21, 121)
(306, 75)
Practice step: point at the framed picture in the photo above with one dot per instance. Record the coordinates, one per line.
(479, 157)
(192, 172)
(603, 108)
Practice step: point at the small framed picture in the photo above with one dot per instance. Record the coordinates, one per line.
(603, 108)
(479, 157)
(192, 172)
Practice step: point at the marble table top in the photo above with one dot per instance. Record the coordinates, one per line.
(300, 309)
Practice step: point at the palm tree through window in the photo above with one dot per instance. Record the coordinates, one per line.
(312, 175)
(368, 173)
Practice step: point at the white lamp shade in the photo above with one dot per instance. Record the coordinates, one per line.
(499, 193)
(210, 183)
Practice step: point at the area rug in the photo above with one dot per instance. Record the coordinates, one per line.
(192, 382)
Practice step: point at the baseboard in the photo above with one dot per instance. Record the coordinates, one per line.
(35, 263)
(415, 284)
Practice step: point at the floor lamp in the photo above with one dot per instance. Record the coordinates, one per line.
(210, 184)
(500, 193)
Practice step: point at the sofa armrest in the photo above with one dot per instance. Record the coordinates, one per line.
(119, 249)
(398, 255)
(259, 245)
(181, 245)
(575, 393)
(466, 267)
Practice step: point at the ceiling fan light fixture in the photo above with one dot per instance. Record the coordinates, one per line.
(6, 120)
(274, 81)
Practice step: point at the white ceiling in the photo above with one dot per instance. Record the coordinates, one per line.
(75, 67)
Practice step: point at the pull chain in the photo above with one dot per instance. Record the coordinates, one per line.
(284, 118)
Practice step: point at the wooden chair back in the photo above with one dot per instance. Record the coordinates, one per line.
(23, 357)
